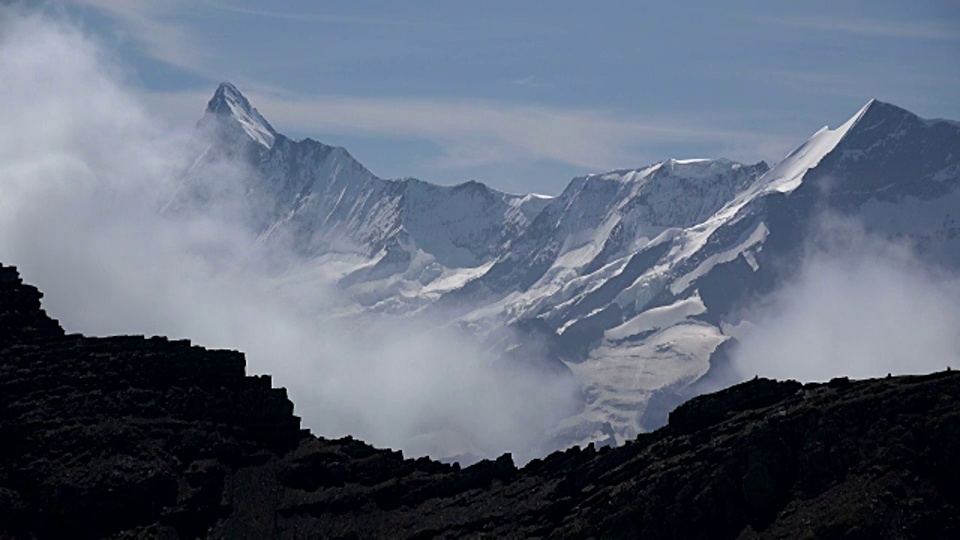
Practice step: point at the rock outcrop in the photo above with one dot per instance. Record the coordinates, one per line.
(133, 437)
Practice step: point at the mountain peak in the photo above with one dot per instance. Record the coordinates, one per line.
(225, 93)
(229, 103)
(876, 112)
(877, 106)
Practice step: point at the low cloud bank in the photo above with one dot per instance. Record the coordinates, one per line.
(860, 306)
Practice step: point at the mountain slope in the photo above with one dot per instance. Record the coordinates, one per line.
(647, 327)
(599, 219)
(126, 437)
(318, 200)
(885, 168)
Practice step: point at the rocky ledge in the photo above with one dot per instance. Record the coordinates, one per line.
(133, 437)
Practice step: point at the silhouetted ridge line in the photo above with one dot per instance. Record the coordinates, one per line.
(129, 437)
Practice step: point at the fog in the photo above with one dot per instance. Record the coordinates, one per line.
(84, 169)
(859, 306)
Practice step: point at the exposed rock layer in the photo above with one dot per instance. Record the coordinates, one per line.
(133, 437)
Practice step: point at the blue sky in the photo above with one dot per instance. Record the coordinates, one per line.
(525, 95)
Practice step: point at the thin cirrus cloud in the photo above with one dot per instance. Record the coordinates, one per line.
(917, 29)
(478, 132)
(155, 27)
(467, 132)
(914, 90)
(529, 80)
(309, 17)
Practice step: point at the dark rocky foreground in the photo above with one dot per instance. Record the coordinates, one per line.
(139, 438)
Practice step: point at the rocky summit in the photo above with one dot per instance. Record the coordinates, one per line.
(133, 437)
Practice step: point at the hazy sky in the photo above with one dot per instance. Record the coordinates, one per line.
(525, 95)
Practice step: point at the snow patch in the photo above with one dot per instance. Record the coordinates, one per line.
(618, 379)
(758, 235)
(657, 318)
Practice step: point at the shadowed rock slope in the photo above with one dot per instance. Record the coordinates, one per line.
(128, 437)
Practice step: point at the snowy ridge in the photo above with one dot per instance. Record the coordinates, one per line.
(787, 175)
(601, 220)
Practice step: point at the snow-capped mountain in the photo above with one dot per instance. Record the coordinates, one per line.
(631, 279)
(661, 327)
(318, 199)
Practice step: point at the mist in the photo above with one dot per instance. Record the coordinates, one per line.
(859, 306)
(84, 171)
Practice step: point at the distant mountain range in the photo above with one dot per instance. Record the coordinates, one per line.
(631, 280)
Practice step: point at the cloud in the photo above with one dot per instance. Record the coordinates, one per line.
(474, 132)
(860, 306)
(529, 80)
(84, 169)
(468, 132)
(881, 28)
(158, 28)
(915, 89)
(310, 17)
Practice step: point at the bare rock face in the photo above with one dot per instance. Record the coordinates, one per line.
(132, 437)
(101, 435)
